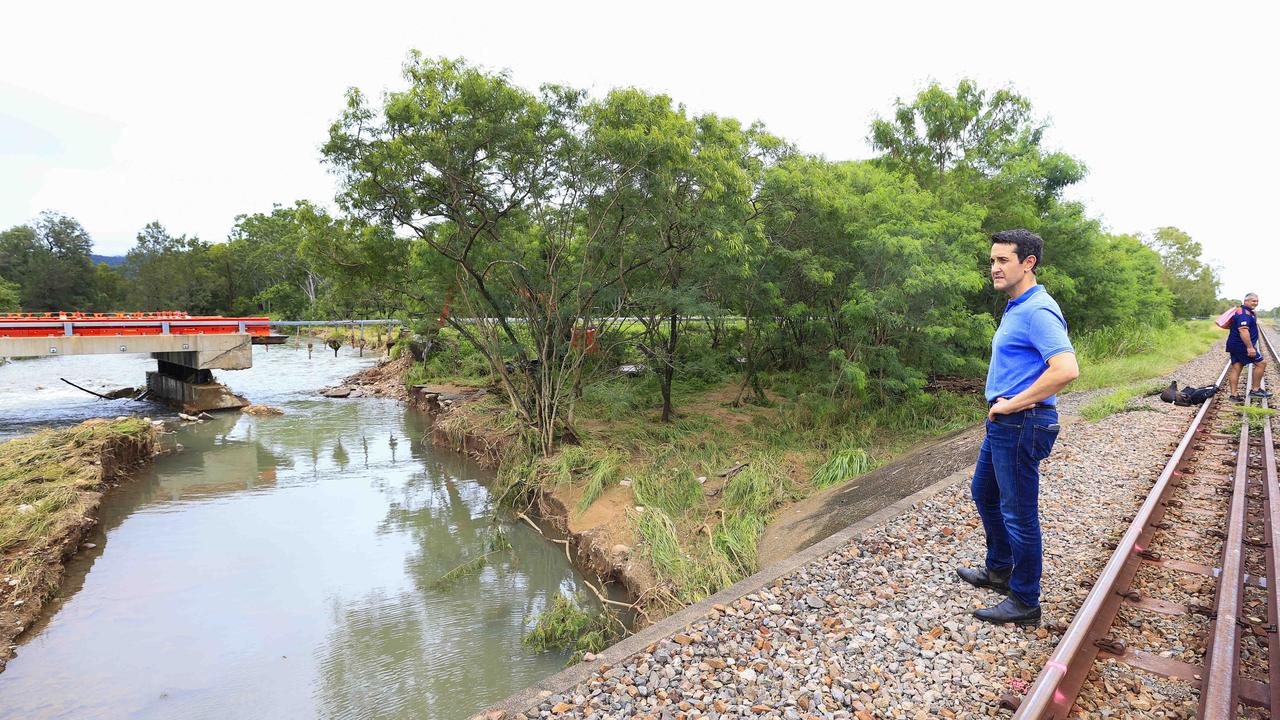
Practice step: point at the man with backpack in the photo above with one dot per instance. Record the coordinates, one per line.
(1242, 346)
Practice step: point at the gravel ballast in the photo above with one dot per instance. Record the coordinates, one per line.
(881, 627)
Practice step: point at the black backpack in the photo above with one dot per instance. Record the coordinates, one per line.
(1188, 395)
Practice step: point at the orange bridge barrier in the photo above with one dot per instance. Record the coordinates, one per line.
(56, 324)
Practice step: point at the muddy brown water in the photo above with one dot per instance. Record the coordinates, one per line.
(279, 567)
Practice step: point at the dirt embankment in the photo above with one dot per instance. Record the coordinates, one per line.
(51, 484)
(600, 540)
(386, 379)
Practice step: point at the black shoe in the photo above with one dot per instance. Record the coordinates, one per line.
(1236, 398)
(984, 578)
(1259, 393)
(1010, 610)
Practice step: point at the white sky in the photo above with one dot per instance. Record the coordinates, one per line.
(122, 113)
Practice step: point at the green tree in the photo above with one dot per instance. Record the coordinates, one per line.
(1194, 282)
(265, 268)
(10, 296)
(49, 260)
(977, 146)
(498, 184)
(111, 288)
(873, 274)
(687, 203)
(169, 272)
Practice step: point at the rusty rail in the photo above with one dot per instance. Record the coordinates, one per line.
(1059, 681)
(1272, 519)
(1053, 693)
(1220, 687)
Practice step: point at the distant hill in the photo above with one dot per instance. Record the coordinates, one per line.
(112, 260)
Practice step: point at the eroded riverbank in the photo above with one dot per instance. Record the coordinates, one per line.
(51, 485)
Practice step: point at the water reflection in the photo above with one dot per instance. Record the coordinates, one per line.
(286, 567)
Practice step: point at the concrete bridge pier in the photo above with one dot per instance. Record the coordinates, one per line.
(184, 378)
(190, 389)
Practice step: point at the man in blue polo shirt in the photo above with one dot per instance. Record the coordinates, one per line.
(1031, 360)
(1242, 346)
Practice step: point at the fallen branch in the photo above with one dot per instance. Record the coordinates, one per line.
(98, 395)
(463, 569)
(599, 595)
(532, 524)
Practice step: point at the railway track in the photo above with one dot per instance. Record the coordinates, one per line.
(1212, 516)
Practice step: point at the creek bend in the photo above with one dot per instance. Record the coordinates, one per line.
(279, 567)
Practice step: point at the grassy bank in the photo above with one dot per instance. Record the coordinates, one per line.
(1129, 358)
(49, 484)
(1123, 355)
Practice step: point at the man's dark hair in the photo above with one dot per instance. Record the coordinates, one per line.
(1026, 242)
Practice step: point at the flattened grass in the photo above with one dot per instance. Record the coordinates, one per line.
(700, 525)
(43, 479)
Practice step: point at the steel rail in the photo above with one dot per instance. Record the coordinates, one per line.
(1220, 687)
(1271, 487)
(1054, 690)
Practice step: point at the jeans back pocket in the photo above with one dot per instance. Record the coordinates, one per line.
(1042, 439)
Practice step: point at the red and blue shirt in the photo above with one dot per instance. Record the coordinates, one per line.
(1244, 318)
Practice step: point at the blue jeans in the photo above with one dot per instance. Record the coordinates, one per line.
(1006, 489)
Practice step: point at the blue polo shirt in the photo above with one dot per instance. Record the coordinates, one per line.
(1031, 331)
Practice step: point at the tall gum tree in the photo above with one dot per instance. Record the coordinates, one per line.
(502, 187)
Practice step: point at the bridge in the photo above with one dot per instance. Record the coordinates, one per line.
(186, 348)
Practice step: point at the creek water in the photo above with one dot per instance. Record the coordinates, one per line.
(279, 567)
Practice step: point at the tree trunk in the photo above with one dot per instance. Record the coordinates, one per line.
(669, 366)
(666, 393)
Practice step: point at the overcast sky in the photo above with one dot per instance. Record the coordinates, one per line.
(122, 113)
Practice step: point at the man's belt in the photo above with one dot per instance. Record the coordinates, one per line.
(1037, 406)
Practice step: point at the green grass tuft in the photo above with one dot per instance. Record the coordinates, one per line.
(845, 464)
(673, 493)
(567, 626)
(606, 469)
(1117, 401)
